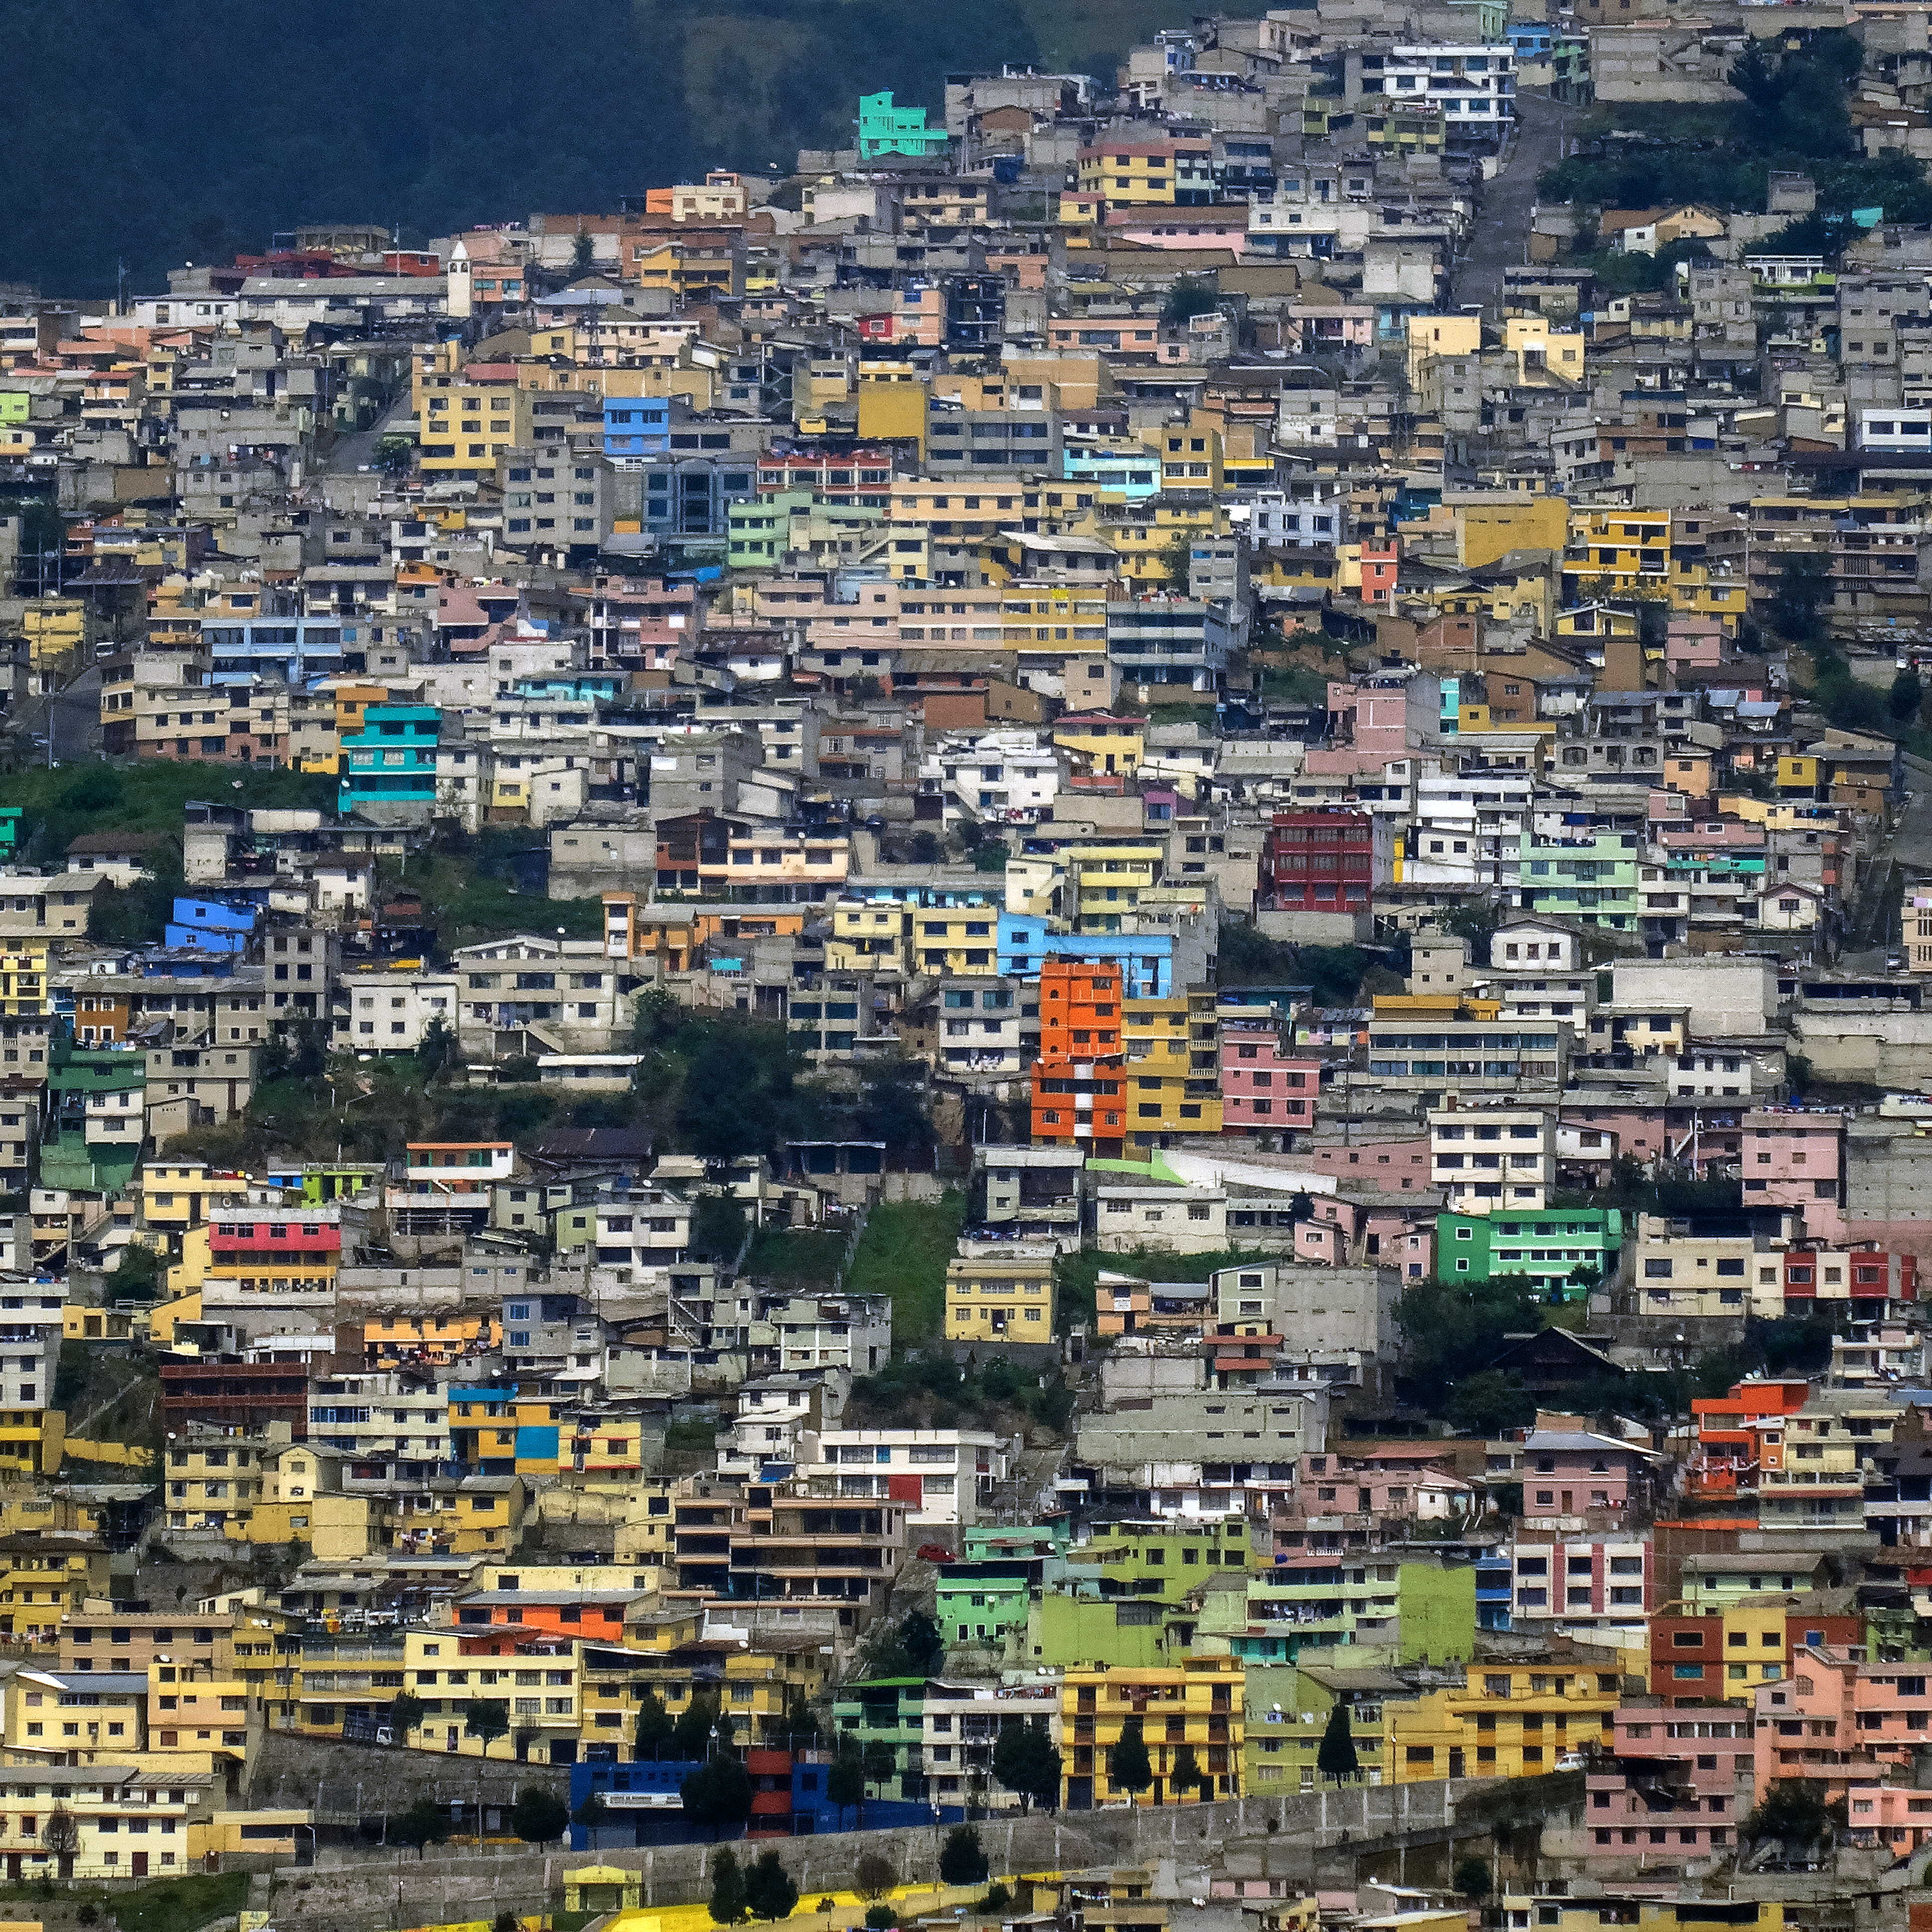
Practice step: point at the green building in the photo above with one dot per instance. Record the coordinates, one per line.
(1287, 1714)
(1122, 1634)
(1548, 1244)
(985, 1597)
(1590, 876)
(1399, 1611)
(884, 129)
(97, 1109)
(10, 816)
(1148, 1559)
(760, 531)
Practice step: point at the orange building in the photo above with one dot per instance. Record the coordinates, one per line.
(1077, 1079)
(1739, 1435)
(100, 1018)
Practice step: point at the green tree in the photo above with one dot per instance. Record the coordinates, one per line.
(925, 1645)
(1491, 1401)
(1793, 1811)
(393, 455)
(845, 1778)
(406, 1713)
(1186, 1774)
(592, 1812)
(1026, 1762)
(1471, 1878)
(718, 1227)
(690, 1735)
(1128, 1765)
(1188, 298)
(1906, 696)
(1335, 1756)
(962, 1860)
(879, 1917)
(873, 1876)
(717, 1794)
(538, 1816)
(881, 1761)
(655, 1732)
(583, 256)
(486, 1719)
(425, 1822)
(769, 1889)
(802, 1728)
(728, 1902)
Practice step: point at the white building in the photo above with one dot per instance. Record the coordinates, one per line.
(995, 777)
(391, 1012)
(1468, 830)
(1474, 86)
(818, 1331)
(646, 1227)
(1488, 1158)
(946, 1478)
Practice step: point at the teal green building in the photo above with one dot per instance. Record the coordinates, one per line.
(884, 129)
(1549, 1244)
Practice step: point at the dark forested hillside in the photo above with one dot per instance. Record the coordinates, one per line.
(154, 132)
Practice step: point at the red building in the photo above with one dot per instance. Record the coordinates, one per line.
(1326, 861)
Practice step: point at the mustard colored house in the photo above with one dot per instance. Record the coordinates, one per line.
(1195, 1704)
(1510, 1719)
(1003, 1294)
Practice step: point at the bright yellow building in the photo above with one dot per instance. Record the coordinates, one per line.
(1170, 1084)
(999, 1297)
(955, 939)
(1105, 743)
(1510, 1719)
(467, 426)
(23, 981)
(867, 937)
(1196, 1703)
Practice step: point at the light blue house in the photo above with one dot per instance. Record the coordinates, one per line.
(1146, 959)
(636, 427)
(389, 765)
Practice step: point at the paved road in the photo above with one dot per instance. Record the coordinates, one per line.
(77, 716)
(357, 450)
(1500, 240)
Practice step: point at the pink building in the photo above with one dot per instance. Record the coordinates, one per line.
(1793, 1159)
(1853, 1726)
(1380, 1164)
(1570, 1474)
(1264, 1089)
(1703, 1135)
(1669, 1797)
(1406, 1481)
(1387, 717)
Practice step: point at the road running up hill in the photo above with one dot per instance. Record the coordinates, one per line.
(1500, 239)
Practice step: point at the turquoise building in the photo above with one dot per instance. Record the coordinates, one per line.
(884, 129)
(391, 763)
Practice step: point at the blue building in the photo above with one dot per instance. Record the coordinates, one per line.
(389, 765)
(1133, 469)
(636, 427)
(291, 650)
(208, 926)
(1146, 959)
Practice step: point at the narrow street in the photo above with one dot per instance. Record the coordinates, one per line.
(1502, 233)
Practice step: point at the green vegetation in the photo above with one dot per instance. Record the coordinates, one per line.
(61, 804)
(1340, 976)
(903, 1253)
(1795, 114)
(804, 1256)
(934, 1392)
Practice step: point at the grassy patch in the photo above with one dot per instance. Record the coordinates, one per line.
(153, 797)
(168, 1905)
(903, 1253)
(689, 1434)
(466, 904)
(782, 1255)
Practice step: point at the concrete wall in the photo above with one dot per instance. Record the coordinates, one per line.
(363, 1892)
(1887, 1049)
